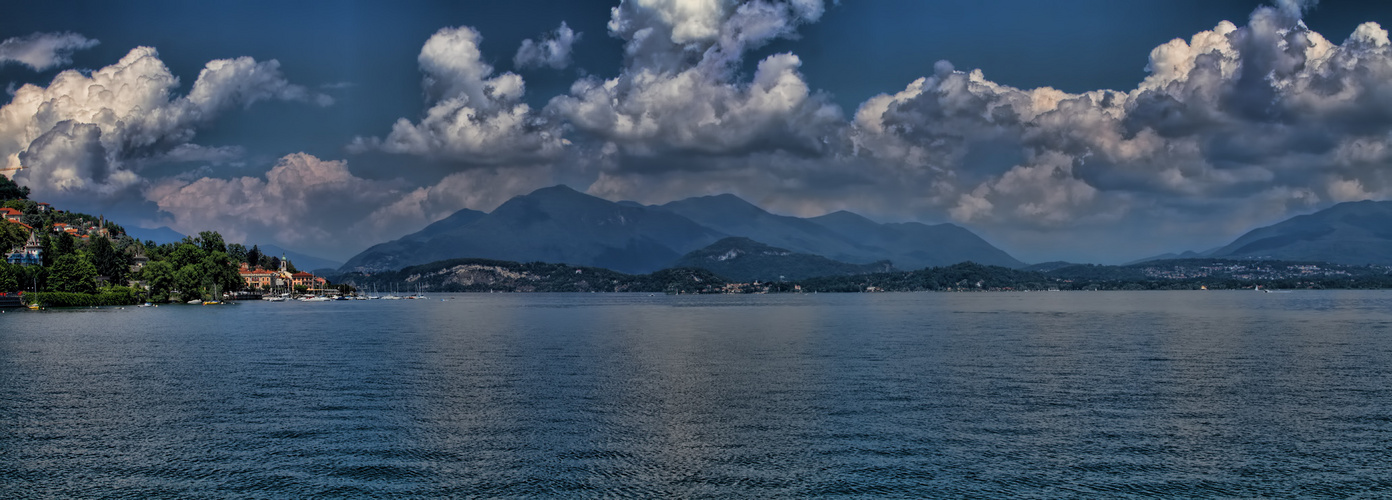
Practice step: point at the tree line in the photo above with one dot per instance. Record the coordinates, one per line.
(74, 269)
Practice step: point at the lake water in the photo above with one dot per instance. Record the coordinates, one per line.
(1044, 395)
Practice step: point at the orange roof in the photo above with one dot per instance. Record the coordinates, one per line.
(10, 211)
(26, 226)
(302, 274)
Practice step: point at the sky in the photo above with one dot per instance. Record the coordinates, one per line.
(1079, 130)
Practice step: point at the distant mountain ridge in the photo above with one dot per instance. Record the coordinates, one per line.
(561, 225)
(1351, 233)
(555, 224)
(1348, 233)
(159, 235)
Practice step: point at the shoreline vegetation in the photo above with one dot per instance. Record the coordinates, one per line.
(55, 258)
(78, 260)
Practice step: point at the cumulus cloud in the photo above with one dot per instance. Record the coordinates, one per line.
(1295, 8)
(1236, 115)
(553, 51)
(302, 201)
(87, 134)
(42, 51)
(679, 92)
(1232, 127)
(474, 116)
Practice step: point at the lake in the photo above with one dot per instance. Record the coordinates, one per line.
(1043, 395)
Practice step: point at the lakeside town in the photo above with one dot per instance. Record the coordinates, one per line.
(62, 258)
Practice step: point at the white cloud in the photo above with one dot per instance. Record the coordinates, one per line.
(1270, 110)
(648, 112)
(91, 134)
(678, 91)
(303, 202)
(553, 51)
(474, 116)
(42, 51)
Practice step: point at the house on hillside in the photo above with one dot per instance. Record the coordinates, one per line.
(30, 255)
(11, 214)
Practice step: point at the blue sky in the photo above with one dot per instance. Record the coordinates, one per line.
(330, 126)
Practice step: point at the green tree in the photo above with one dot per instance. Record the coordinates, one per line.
(186, 254)
(110, 263)
(64, 244)
(25, 206)
(189, 281)
(73, 274)
(253, 256)
(159, 276)
(237, 252)
(12, 235)
(47, 242)
(33, 278)
(211, 242)
(10, 276)
(11, 191)
(220, 270)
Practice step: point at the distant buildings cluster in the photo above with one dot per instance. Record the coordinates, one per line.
(31, 253)
(1242, 271)
(257, 278)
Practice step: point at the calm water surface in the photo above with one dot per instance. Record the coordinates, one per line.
(1046, 395)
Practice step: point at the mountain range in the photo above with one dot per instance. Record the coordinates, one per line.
(736, 239)
(1351, 233)
(561, 225)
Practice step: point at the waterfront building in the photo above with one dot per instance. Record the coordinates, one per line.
(264, 279)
